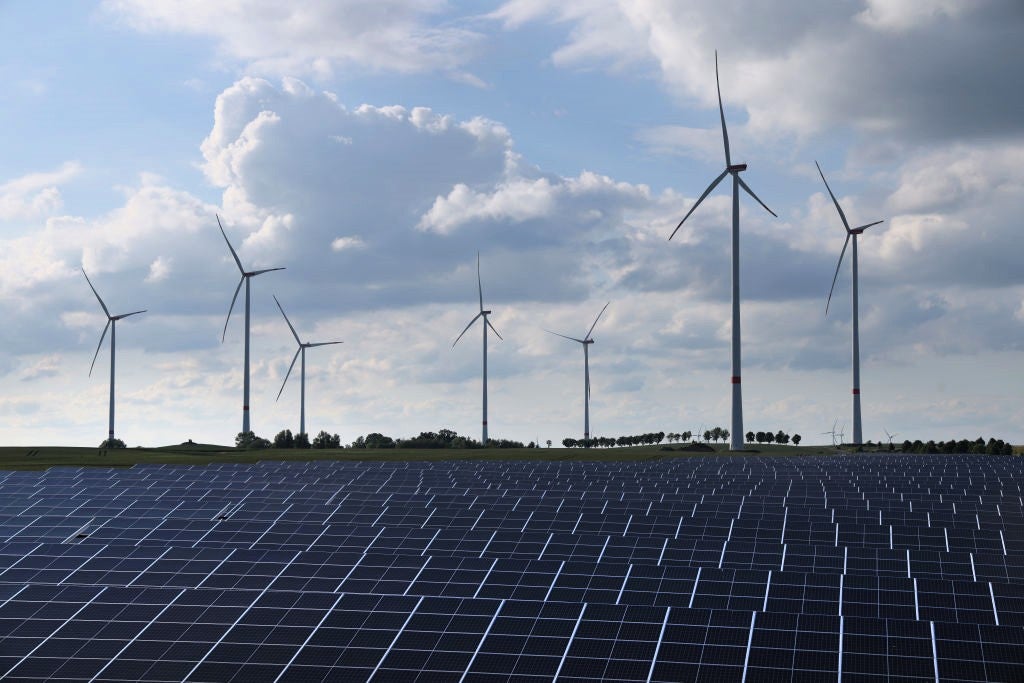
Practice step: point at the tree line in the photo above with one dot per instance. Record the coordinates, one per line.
(779, 437)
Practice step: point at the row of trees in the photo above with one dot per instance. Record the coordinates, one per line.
(979, 445)
(779, 437)
(648, 439)
(285, 439)
(443, 438)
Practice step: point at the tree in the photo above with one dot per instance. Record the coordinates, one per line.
(112, 443)
(750, 437)
(659, 437)
(301, 440)
(781, 437)
(796, 439)
(725, 435)
(687, 435)
(377, 440)
(284, 439)
(569, 442)
(250, 442)
(549, 443)
(769, 437)
(325, 440)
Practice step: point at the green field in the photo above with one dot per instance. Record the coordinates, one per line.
(32, 458)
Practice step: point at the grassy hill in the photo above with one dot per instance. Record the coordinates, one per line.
(17, 458)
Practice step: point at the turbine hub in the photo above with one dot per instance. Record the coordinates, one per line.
(857, 231)
(485, 312)
(588, 341)
(736, 168)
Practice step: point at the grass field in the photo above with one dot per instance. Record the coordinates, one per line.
(22, 458)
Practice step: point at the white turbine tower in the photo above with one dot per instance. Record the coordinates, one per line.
(736, 431)
(586, 341)
(246, 276)
(487, 323)
(301, 351)
(112, 324)
(857, 432)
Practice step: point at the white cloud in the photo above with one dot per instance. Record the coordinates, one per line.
(802, 68)
(349, 242)
(159, 269)
(35, 194)
(47, 366)
(317, 37)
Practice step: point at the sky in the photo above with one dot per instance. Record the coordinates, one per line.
(374, 149)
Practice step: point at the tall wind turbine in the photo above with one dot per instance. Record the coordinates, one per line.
(736, 430)
(112, 324)
(586, 341)
(857, 433)
(301, 351)
(246, 276)
(487, 323)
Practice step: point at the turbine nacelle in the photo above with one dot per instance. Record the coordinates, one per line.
(736, 168)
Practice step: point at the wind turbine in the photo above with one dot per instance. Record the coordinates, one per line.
(112, 324)
(246, 276)
(487, 323)
(891, 436)
(736, 432)
(586, 341)
(833, 432)
(302, 351)
(857, 432)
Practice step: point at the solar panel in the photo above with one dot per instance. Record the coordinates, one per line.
(674, 569)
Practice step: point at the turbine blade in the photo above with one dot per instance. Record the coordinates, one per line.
(712, 186)
(492, 328)
(835, 201)
(231, 308)
(595, 321)
(233, 254)
(836, 276)
(126, 315)
(286, 375)
(96, 293)
(322, 344)
(564, 337)
(265, 270)
(865, 227)
(479, 282)
(751, 193)
(98, 346)
(294, 333)
(467, 328)
(721, 113)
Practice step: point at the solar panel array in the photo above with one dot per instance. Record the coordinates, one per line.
(722, 568)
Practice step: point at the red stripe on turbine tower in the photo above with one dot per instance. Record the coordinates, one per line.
(735, 380)
(856, 391)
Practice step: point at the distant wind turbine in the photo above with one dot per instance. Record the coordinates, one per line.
(891, 436)
(112, 324)
(833, 432)
(736, 432)
(586, 341)
(301, 351)
(487, 323)
(857, 432)
(246, 276)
